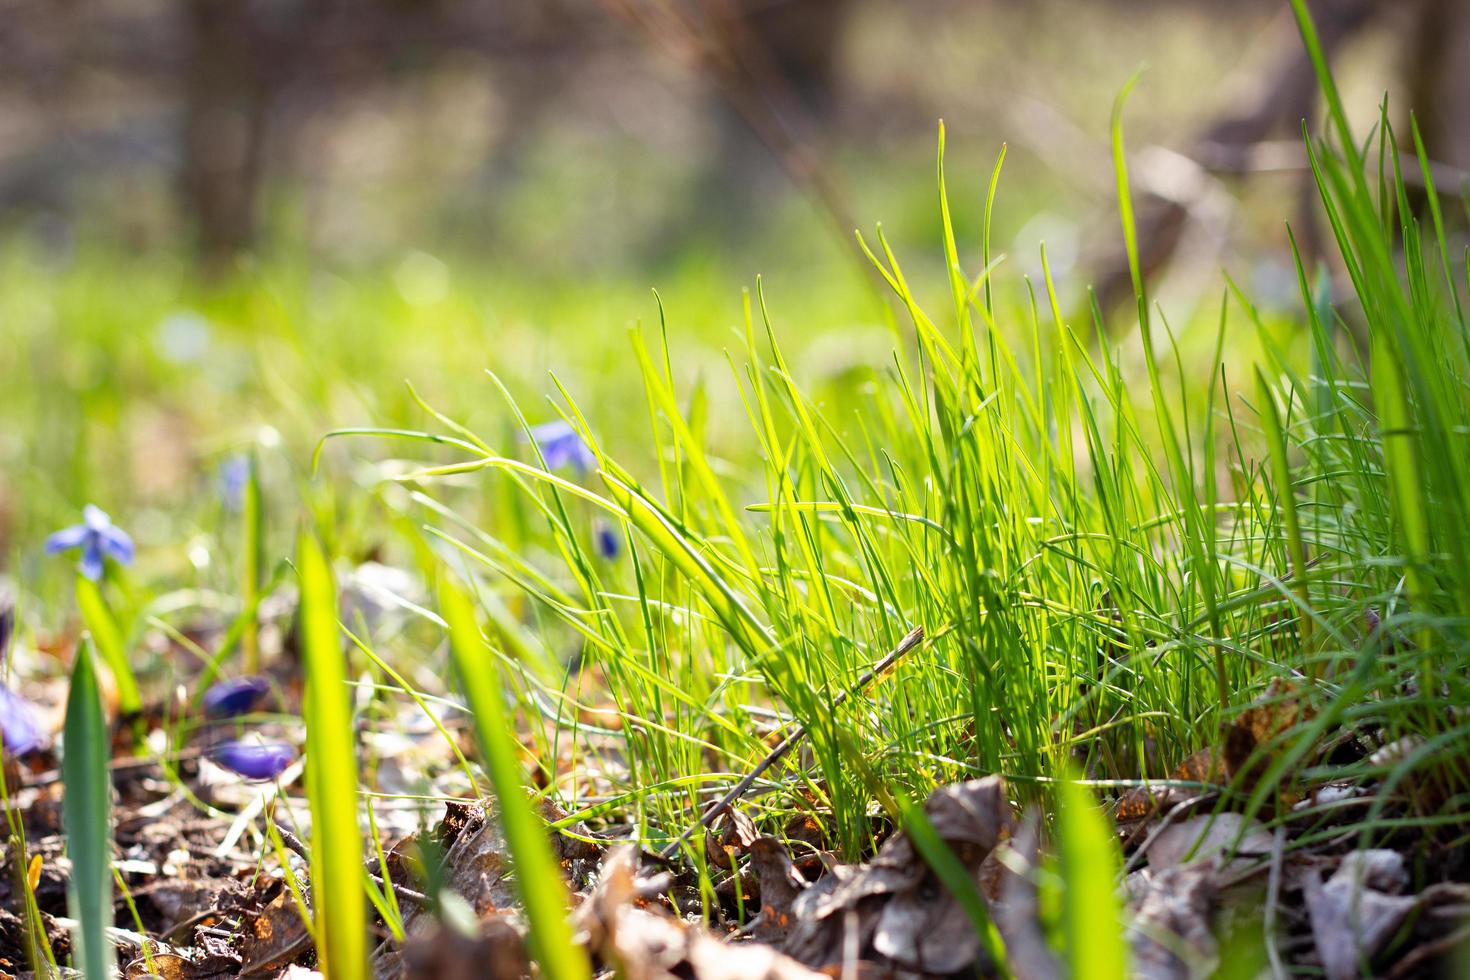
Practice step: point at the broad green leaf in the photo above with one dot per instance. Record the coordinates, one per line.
(87, 816)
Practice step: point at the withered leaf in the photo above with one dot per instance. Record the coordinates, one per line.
(1249, 739)
(1169, 926)
(780, 884)
(1205, 839)
(736, 833)
(1018, 913)
(1356, 910)
(1245, 755)
(644, 945)
(497, 953)
(273, 937)
(894, 908)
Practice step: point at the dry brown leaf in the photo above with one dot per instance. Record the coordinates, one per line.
(497, 953)
(1143, 802)
(1018, 913)
(645, 945)
(1246, 754)
(273, 937)
(1206, 838)
(1356, 910)
(736, 833)
(780, 884)
(894, 909)
(1249, 740)
(1169, 923)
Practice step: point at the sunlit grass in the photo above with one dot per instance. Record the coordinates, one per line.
(1115, 535)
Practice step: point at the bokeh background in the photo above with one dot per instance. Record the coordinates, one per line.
(228, 224)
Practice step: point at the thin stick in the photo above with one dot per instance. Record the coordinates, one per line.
(915, 637)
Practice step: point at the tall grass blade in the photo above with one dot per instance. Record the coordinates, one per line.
(331, 780)
(252, 570)
(1091, 919)
(537, 876)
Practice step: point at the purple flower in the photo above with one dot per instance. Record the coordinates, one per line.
(561, 447)
(97, 539)
(234, 475)
(256, 761)
(235, 697)
(609, 545)
(7, 625)
(20, 732)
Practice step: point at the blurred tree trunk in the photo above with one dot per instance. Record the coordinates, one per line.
(1438, 69)
(225, 108)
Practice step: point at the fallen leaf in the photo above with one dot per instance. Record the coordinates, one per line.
(780, 884)
(1207, 838)
(497, 953)
(1251, 738)
(641, 944)
(1169, 922)
(272, 937)
(1018, 913)
(1356, 910)
(894, 908)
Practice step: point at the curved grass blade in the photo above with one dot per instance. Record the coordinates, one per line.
(87, 815)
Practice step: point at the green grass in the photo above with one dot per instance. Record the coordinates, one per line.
(1115, 535)
(337, 850)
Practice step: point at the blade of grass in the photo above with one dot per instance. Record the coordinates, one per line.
(537, 876)
(1091, 920)
(331, 780)
(109, 641)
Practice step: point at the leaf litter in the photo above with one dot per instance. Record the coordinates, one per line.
(212, 902)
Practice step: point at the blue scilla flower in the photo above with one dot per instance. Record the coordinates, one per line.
(97, 539)
(561, 447)
(256, 761)
(235, 697)
(609, 544)
(20, 732)
(234, 475)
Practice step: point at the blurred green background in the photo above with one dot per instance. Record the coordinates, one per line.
(236, 225)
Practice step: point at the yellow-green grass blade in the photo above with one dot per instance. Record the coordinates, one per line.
(1286, 494)
(109, 640)
(331, 784)
(1091, 924)
(537, 876)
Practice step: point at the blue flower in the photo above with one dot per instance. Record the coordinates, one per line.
(20, 732)
(235, 697)
(7, 625)
(561, 447)
(97, 539)
(609, 544)
(234, 475)
(256, 761)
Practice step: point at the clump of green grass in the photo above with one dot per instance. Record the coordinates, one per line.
(1108, 567)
